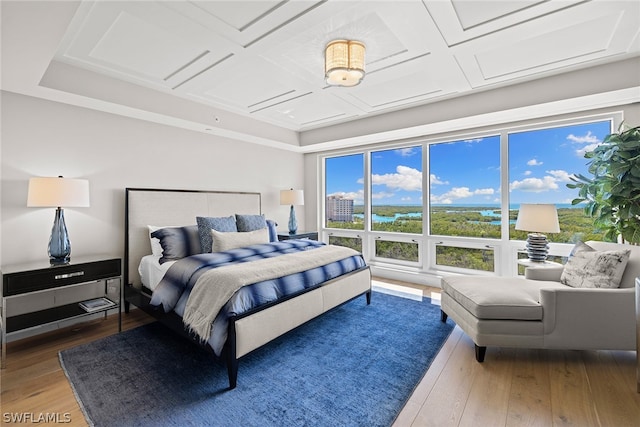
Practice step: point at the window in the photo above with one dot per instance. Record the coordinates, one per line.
(481, 259)
(453, 204)
(540, 164)
(350, 242)
(396, 190)
(403, 251)
(344, 192)
(464, 180)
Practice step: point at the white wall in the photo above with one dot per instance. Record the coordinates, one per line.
(44, 138)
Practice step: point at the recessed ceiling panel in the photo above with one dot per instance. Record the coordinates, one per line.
(473, 13)
(244, 22)
(237, 84)
(404, 83)
(239, 14)
(133, 44)
(563, 45)
(393, 32)
(305, 52)
(411, 88)
(140, 42)
(462, 20)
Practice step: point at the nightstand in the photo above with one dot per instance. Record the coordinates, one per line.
(313, 235)
(527, 263)
(38, 294)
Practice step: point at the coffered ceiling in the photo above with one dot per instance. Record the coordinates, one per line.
(264, 59)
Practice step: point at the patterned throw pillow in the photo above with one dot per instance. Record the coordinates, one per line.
(178, 242)
(588, 268)
(250, 222)
(206, 224)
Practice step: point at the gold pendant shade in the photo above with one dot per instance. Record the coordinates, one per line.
(344, 63)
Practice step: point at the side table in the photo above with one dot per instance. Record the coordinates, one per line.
(38, 294)
(545, 270)
(527, 263)
(313, 235)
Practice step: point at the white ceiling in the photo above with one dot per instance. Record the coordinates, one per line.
(264, 59)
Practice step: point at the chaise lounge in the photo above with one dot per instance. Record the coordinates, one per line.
(539, 311)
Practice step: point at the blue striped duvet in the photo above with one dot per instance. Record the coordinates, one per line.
(174, 289)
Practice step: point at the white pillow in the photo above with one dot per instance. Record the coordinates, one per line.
(224, 241)
(588, 268)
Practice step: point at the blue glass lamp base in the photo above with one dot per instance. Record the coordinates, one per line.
(59, 245)
(293, 223)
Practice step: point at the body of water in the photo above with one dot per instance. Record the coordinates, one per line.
(378, 218)
(484, 210)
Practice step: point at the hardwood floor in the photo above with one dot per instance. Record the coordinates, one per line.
(513, 387)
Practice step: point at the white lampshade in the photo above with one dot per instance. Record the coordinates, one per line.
(538, 218)
(58, 192)
(291, 197)
(344, 63)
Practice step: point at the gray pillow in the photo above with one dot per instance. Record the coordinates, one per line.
(588, 268)
(223, 224)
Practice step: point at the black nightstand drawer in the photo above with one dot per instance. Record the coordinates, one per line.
(53, 277)
(313, 235)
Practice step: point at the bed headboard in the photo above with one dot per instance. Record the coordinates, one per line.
(152, 206)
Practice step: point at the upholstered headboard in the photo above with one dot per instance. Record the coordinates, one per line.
(159, 207)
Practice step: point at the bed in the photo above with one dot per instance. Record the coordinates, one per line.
(258, 311)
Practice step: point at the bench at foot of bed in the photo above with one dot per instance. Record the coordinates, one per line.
(254, 329)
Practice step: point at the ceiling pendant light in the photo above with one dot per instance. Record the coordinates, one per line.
(344, 63)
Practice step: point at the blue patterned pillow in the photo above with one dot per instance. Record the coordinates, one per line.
(250, 222)
(178, 242)
(206, 224)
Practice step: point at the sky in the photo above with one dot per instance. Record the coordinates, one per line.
(468, 171)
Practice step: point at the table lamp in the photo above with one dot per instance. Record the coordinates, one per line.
(537, 219)
(58, 192)
(292, 197)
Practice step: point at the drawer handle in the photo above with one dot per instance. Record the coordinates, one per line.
(67, 275)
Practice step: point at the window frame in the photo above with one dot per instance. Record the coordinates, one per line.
(505, 250)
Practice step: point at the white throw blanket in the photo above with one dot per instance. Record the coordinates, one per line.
(215, 287)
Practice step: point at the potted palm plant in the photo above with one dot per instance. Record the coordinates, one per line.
(612, 194)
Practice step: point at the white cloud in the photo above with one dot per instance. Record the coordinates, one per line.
(381, 195)
(407, 152)
(589, 138)
(484, 191)
(535, 185)
(357, 196)
(560, 175)
(405, 178)
(580, 151)
(527, 173)
(457, 193)
(434, 180)
(534, 162)
(471, 141)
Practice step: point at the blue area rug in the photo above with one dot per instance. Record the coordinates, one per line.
(354, 366)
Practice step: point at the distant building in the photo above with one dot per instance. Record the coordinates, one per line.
(339, 209)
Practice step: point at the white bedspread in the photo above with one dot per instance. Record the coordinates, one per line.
(214, 288)
(151, 271)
